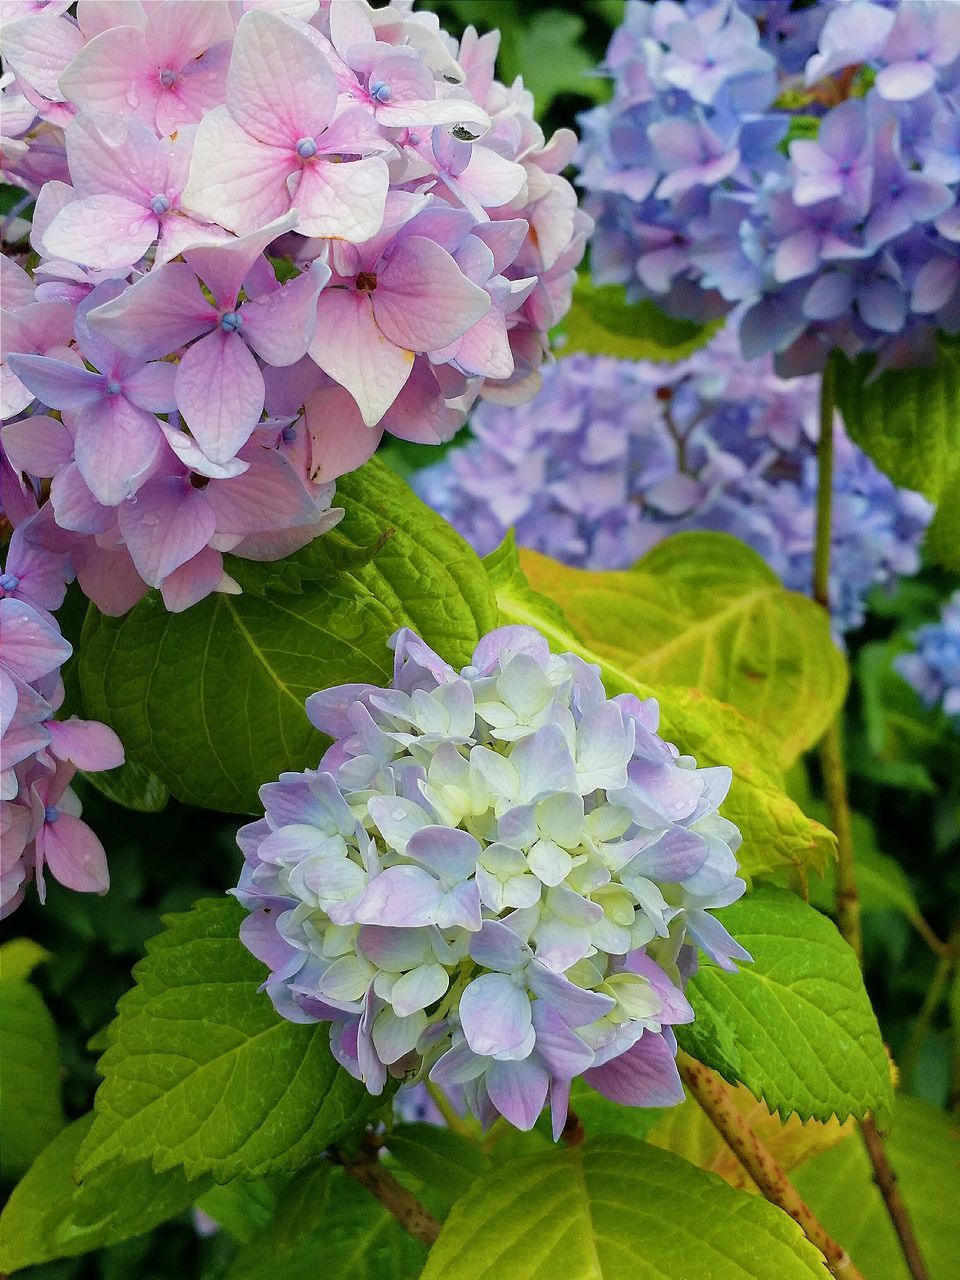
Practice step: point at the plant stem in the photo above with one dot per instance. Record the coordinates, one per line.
(713, 1096)
(367, 1169)
(931, 1003)
(835, 789)
(447, 1110)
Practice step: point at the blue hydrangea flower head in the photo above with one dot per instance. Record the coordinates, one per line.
(800, 161)
(498, 878)
(933, 669)
(612, 456)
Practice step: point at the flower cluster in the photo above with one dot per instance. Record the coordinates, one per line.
(804, 161)
(612, 456)
(497, 877)
(266, 235)
(934, 668)
(40, 824)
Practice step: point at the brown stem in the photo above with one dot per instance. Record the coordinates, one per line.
(886, 1181)
(573, 1134)
(367, 1169)
(835, 789)
(713, 1096)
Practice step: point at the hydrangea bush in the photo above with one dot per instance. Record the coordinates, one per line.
(496, 877)
(613, 456)
(398, 834)
(263, 241)
(799, 160)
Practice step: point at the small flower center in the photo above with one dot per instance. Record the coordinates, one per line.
(306, 148)
(414, 139)
(159, 205)
(169, 77)
(366, 281)
(288, 435)
(113, 387)
(380, 90)
(231, 321)
(198, 481)
(9, 582)
(51, 813)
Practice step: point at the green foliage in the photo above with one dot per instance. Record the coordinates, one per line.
(602, 322)
(211, 700)
(244, 1209)
(328, 1226)
(201, 1072)
(795, 1026)
(19, 957)
(438, 1157)
(908, 421)
(133, 786)
(924, 1151)
(49, 1215)
(31, 1112)
(616, 1209)
(704, 610)
(777, 834)
(549, 54)
(881, 882)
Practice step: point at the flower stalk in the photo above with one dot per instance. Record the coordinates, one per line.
(835, 789)
(367, 1169)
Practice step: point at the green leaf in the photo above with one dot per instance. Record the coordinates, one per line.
(19, 957)
(339, 1231)
(776, 832)
(552, 59)
(31, 1112)
(602, 1118)
(615, 1209)
(201, 1072)
(924, 1151)
(211, 700)
(704, 610)
(438, 1157)
(133, 786)
(805, 1034)
(50, 1216)
(601, 322)
(908, 421)
(244, 1209)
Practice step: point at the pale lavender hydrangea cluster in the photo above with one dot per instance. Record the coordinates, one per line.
(266, 233)
(933, 669)
(496, 879)
(612, 456)
(40, 826)
(801, 160)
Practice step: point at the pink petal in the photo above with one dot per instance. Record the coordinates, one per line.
(220, 393)
(401, 896)
(166, 526)
(269, 495)
(495, 1014)
(423, 300)
(518, 1090)
(74, 855)
(114, 73)
(39, 445)
(116, 155)
(97, 16)
(109, 579)
(341, 441)
(116, 445)
(30, 647)
(200, 88)
(645, 1076)
(235, 180)
(349, 346)
(152, 387)
(85, 743)
(193, 581)
(345, 201)
(279, 325)
(178, 33)
(279, 86)
(57, 383)
(106, 232)
(75, 506)
(160, 313)
(39, 49)
(224, 268)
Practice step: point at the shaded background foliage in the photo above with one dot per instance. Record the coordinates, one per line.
(904, 764)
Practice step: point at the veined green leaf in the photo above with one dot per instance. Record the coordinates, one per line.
(31, 1112)
(615, 1209)
(805, 1035)
(201, 1072)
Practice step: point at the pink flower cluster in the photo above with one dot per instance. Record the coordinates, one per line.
(40, 824)
(267, 233)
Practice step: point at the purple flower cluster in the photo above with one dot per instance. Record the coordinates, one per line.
(266, 235)
(497, 879)
(40, 824)
(933, 669)
(613, 456)
(802, 161)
